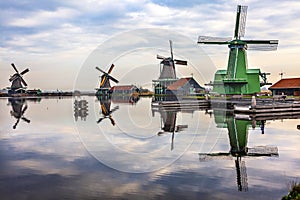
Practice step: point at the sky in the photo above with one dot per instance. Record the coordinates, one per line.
(57, 40)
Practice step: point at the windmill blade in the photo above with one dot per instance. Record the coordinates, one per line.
(99, 120)
(180, 62)
(111, 68)
(114, 109)
(172, 142)
(25, 119)
(240, 23)
(14, 77)
(13, 65)
(25, 71)
(113, 79)
(262, 45)
(213, 40)
(103, 80)
(16, 124)
(160, 57)
(25, 108)
(22, 80)
(112, 121)
(101, 70)
(104, 110)
(171, 48)
(261, 42)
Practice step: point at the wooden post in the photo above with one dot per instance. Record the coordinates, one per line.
(253, 102)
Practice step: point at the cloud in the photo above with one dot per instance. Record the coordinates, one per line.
(44, 18)
(39, 30)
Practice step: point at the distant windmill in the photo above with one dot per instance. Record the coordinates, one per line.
(167, 71)
(281, 74)
(105, 81)
(237, 78)
(17, 81)
(168, 65)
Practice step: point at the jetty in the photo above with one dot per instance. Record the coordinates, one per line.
(182, 105)
(268, 109)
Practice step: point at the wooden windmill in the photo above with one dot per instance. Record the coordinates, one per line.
(105, 86)
(18, 85)
(167, 72)
(238, 79)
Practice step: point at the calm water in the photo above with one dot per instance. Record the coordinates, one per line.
(51, 149)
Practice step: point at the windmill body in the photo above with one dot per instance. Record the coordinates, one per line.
(238, 79)
(167, 72)
(104, 87)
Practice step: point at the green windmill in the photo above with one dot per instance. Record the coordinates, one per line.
(238, 79)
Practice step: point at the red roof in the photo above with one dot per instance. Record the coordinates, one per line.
(122, 87)
(286, 83)
(180, 83)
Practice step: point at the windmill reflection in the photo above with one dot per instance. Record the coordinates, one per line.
(19, 107)
(238, 136)
(168, 122)
(106, 112)
(80, 109)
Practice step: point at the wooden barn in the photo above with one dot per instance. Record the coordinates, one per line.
(185, 86)
(287, 86)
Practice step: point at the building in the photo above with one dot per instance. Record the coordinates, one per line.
(185, 86)
(124, 90)
(287, 86)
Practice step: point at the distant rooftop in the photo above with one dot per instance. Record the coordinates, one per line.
(286, 83)
(180, 83)
(122, 87)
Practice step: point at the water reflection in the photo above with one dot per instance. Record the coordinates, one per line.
(19, 107)
(238, 138)
(80, 109)
(168, 122)
(124, 99)
(105, 104)
(49, 156)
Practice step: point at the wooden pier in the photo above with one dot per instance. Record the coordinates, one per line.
(274, 109)
(268, 110)
(182, 105)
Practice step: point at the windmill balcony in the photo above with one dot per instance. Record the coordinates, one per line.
(235, 80)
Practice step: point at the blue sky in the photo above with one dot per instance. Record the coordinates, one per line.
(54, 38)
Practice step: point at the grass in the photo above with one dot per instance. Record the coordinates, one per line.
(294, 193)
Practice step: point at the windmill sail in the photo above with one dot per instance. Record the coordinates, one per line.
(171, 48)
(111, 68)
(105, 78)
(240, 24)
(262, 45)
(213, 40)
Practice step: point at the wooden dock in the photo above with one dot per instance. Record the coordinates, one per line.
(276, 108)
(268, 111)
(181, 105)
